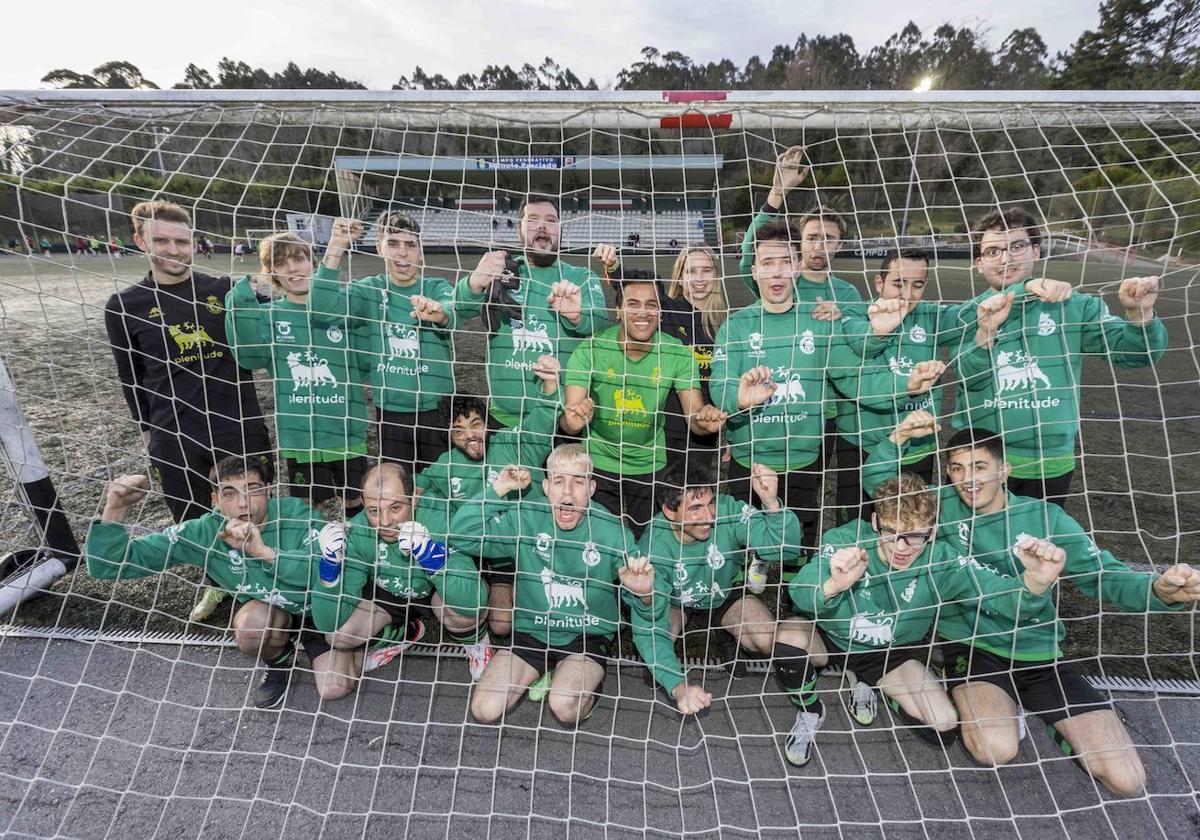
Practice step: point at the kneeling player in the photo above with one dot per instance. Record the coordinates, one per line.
(572, 559)
(475, 459)
(998, 659)
(400, 536)
(874, 591)
(265, 552)
(698, 542)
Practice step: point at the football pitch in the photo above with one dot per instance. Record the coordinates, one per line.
(115, 739)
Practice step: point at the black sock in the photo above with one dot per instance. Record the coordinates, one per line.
(283, 660)
(796, 675)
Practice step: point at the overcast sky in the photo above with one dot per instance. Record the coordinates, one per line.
(376, 41)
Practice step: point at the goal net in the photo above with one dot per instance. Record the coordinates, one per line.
(120, 715)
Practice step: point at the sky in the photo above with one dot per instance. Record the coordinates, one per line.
(377, 41)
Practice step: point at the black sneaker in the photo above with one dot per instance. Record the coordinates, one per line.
(273, 685)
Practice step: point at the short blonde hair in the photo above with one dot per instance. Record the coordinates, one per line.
(569, 455)
(715, 307)
(905, 501)
(160, 211)
(279, 247)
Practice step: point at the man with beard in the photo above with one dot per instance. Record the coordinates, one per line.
(475, 459)
(541, 305)
(191, 400)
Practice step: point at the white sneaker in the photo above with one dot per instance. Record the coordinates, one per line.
(756, 576)
(798, 747)
(208, 603)
(1022, 729)
(479, 655)
(862, 704)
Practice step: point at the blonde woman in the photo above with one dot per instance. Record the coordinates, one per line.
(693, 309)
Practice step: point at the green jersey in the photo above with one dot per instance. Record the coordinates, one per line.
(873, 395)
(410, 368)
(540, 331)
(457, 477)
(989, 541)
(1027, 385)
(566, 581)
(897, 607)
(703, 574)
(627, 435)
(320, 407)
(291, 582)
(785, 432)
(458, 582)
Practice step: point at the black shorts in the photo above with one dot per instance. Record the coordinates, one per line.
(541, 657)
(414, 438)
(504, 574)
(711, 618)
(319, 481)
(402, 610)
(1054, 691)
(870, 666)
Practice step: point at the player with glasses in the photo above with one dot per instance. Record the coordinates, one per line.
(871, 597)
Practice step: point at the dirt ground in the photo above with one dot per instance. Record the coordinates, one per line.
(1136, 489)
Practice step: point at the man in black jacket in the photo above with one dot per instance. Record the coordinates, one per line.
(192, 402)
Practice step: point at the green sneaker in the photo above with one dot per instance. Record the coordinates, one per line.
(540, 687)
(208, 603)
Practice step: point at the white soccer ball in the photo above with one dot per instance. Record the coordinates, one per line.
(412, 535)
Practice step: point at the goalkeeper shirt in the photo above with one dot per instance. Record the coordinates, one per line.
(1027, 385)
(410, 368)
(291, 582)
(566, 581)
(320, 407)
(627, 434)
(897, 607)
(702, 575)
(988, 541)
(539, 331)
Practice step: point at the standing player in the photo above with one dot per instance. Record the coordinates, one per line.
(185, 390)
(626, 372)
(902, 377)
(403, 322)
(1022, 374)
(268, 553)
(400, 536)
(692, 309)
(535, 304)
(997, 658)
(573, 560)
(698, 541)
(874, 592)
(475, 460)
(320, 407)
(769, 376)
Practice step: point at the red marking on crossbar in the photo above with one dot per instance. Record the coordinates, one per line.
(693, 95)
(697, 121)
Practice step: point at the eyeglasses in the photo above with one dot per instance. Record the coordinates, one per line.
(912, 539)
(1014, 249)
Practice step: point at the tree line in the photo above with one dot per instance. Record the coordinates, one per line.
(1136, 44)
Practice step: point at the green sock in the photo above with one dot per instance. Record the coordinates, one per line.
(389, 635)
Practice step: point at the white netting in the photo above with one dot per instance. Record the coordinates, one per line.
(119, 717)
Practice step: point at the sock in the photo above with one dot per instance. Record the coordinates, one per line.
(466, 637)
(921, 729)
(389, 635)
(796, 675)
(283, 660)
